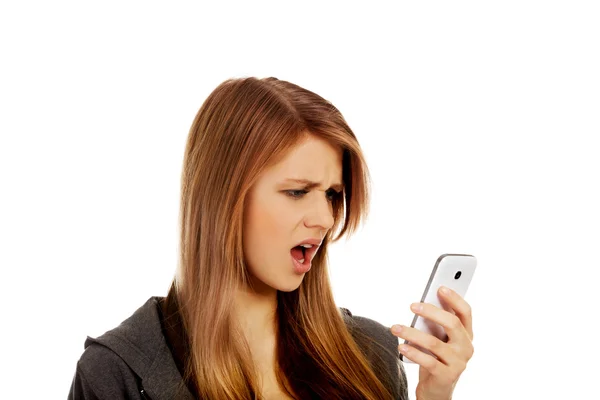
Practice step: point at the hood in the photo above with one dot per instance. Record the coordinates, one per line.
(140, 342)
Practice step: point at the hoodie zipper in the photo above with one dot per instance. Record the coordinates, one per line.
(143, 393)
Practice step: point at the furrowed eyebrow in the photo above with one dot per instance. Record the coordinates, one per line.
(310, 184)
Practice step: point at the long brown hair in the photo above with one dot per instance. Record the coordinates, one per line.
(244, 126)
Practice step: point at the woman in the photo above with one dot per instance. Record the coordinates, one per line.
(271, 174)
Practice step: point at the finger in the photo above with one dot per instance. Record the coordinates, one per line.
(435, 367)
(441, 350)
(461, 308)
(451, 323)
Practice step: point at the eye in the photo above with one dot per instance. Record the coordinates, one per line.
(332, 195)
(296, 194)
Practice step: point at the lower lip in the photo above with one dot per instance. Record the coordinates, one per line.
(301, 268)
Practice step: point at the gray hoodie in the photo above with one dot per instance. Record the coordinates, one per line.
(133, 360)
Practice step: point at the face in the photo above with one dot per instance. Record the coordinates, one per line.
(281, 213)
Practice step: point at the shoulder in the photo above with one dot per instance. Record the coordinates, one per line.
(114, 364)
(380, 346)
(372, 329)
(102, 374)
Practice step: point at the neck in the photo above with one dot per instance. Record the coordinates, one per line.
(256, 310)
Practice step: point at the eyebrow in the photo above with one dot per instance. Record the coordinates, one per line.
(310, 184)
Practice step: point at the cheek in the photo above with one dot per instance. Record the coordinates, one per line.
(269, 224)
(267, 231)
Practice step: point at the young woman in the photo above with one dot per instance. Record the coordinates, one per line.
(272, 175)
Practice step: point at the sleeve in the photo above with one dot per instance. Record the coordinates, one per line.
(102, 375)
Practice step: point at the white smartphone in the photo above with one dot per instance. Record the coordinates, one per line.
(451, 270)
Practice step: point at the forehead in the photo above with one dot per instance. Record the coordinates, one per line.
(312, 158)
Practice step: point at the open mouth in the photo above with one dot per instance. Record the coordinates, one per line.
(304, 253)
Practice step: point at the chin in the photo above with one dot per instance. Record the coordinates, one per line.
(277, 283)
(289, 286)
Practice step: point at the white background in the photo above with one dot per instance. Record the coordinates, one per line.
(479, 121)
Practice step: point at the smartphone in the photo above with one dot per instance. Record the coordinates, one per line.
(454, 271)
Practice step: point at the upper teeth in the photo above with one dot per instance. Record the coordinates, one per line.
(308, 246)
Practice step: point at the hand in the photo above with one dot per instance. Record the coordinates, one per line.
(437, 378)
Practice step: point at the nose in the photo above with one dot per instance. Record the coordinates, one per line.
(320, 215)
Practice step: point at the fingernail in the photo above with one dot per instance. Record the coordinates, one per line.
(397, 328)
(403, 348)
(416, 307)
(444, 290)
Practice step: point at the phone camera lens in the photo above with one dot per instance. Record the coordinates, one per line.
(458, 274)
